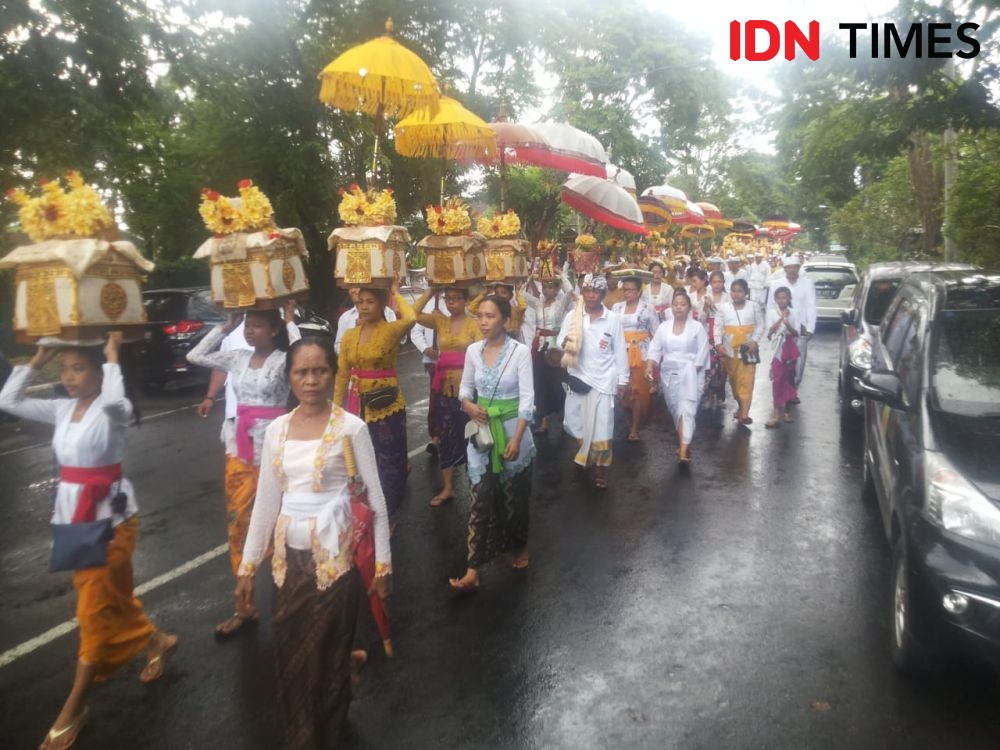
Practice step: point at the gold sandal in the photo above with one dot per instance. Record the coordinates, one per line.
(158, 664)
(72, 729)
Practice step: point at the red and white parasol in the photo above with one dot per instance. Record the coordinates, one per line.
(621, 177)
(570, 150)
(604, 201)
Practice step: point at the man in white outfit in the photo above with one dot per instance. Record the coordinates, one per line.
(803, 302)
(760, 274)
(597, 365)
(425, 340)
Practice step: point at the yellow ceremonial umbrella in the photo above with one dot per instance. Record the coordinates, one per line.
(453, 132)
(380, 77)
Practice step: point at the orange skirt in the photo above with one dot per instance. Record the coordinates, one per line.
(241, 489)
(114, 628)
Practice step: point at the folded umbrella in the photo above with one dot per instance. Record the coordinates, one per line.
(364, 544)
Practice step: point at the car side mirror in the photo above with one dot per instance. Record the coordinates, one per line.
(847, 317)
(885, 387)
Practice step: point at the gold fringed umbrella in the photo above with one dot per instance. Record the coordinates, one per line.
(452, 133)
(380, 77)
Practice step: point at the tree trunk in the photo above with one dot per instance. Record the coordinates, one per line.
(927, 188)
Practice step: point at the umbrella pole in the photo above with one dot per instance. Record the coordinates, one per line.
(503, 182)
(379, 121)
(443, 168)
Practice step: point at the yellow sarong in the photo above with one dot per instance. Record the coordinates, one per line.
(241, 489)
(113, 626)
(741, 375)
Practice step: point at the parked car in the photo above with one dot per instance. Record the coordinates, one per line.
(931, 443)
(835, 279)
(861, 321)
(178, 319)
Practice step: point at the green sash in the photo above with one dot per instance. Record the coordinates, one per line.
(499, 412)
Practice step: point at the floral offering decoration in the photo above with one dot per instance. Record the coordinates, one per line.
(451, 218)
(657, 239)
(251, 212)
(78, 211)
(366, 208)
(495, 226)
(586, 241)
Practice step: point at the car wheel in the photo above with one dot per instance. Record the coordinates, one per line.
(908, 656)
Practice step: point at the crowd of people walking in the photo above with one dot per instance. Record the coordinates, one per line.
(312, 487)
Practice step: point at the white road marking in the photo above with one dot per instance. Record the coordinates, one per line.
(70, 625)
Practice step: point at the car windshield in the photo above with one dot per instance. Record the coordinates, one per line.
(837, 276)
(965, 368)
(880, 294)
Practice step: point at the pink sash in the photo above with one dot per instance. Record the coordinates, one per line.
(354, 394)
(246, 418)
(447, 361)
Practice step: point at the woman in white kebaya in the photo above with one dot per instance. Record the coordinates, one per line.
(680, 349)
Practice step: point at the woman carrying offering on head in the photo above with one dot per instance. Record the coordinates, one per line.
(639, 324)
(367, 385)
(454, 333)
(89, 444)
(257, 377)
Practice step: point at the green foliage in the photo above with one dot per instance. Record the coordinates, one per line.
(180, 272)
(880, 222)
(974, 209)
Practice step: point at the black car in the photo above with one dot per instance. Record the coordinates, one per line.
(931, 450)
(861, 321)
(178, 319)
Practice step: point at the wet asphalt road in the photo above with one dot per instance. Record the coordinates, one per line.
(741, 605)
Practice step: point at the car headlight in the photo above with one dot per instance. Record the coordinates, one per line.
(860, 351)
(956, 506)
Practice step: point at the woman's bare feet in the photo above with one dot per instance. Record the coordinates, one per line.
(157, 655)
(468, 582)
(520, 560)
(441, 498)
(359, 657)
(234, 624)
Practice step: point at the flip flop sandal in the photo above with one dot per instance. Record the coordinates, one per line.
(158, 664)
(245, 621)
(465, 588)
(771, 424)
(601, 484)
(70, 732)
